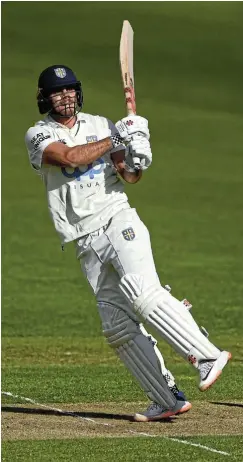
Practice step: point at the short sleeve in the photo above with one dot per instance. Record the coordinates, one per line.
(37, 139)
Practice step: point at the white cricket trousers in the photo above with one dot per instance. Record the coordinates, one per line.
(109, 253)
(123, 247)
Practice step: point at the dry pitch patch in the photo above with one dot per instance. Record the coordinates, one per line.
(32, 422)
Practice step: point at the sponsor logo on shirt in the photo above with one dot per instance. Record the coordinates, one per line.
(38, 139)
(89, 170)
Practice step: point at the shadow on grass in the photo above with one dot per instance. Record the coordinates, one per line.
(226, 404)
(88, 415)
(84, 415)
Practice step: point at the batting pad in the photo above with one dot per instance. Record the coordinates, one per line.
(137, 353)
(171, 319)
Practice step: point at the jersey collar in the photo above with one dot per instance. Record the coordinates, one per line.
(54, 123)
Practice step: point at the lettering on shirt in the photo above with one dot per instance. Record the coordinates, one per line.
(88, 185)
(38, 139)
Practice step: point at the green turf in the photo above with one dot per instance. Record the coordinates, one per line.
(73, 371)
(104, 449)
(188, 77)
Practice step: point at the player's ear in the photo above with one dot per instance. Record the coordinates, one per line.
(43, 103)
(38, 94)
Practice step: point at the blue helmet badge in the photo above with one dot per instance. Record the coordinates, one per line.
(60, 72)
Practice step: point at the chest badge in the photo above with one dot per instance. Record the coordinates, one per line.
(128, 234)
(91, 139)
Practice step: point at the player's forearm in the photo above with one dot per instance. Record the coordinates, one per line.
(129, 177)
(87, 153)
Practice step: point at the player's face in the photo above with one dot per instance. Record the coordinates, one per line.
(64, 102)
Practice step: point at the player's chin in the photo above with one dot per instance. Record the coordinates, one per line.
(66, 111)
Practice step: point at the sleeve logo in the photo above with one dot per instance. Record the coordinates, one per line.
(38, 139)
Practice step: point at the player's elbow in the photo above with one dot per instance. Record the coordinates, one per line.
(69, 158)
(58, 154)
(69, 163)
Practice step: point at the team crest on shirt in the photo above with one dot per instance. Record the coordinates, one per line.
(128, 234)
(91, 139)
(60, 72)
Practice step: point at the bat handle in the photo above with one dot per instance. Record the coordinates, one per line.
(131, 110)
(137, 163)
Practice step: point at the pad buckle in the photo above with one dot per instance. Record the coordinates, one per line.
(187, 304)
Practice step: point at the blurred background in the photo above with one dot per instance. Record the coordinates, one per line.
(188, 65)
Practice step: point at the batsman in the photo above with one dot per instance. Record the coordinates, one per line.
(83, 159)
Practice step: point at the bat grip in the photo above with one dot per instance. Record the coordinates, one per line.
(136, 160)
(137, 163)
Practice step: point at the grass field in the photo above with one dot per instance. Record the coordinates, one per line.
(188, 71)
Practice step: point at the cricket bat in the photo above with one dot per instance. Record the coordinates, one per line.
(126, 64)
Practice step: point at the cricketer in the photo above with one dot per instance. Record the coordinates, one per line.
(82, 158)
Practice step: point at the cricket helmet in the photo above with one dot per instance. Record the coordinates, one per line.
(55, 78)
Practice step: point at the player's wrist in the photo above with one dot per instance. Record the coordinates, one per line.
(116, 140)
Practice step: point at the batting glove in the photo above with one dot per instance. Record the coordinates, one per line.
(138, 155)
(132, 125)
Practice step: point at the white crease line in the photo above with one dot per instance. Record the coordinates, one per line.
(73, 414)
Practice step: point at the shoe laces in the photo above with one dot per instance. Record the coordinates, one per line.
(205, 368)
(177, 393)
(174, 390)
(153, 406)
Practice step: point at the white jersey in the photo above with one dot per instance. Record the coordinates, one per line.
(82, 199)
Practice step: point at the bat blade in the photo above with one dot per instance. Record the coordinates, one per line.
(127, 72)
(126, 63)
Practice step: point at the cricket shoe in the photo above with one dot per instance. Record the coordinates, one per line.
(157, 412)
(211, 370)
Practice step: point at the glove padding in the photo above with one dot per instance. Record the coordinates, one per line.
(138, 148)
(132, 125)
